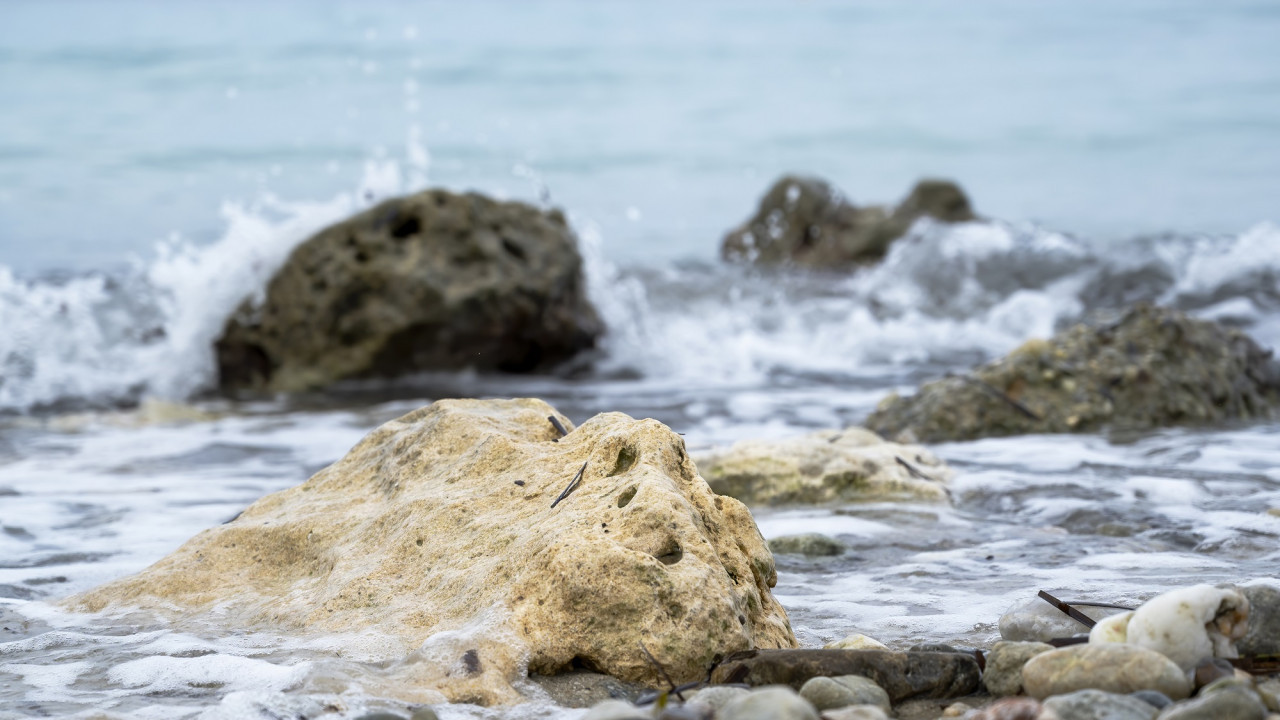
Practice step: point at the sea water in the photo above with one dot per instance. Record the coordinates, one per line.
(1120, 152)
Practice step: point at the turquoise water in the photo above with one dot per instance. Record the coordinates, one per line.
(660, 123)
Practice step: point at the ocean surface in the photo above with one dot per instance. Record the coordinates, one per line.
(158, 161)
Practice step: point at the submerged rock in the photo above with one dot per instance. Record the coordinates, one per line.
(823, 467)
(804, 221)
(432, 281)
(1151, 367)
(438, 532)
(807, 544)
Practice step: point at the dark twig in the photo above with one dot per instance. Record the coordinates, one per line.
(997, 392)
(555, 423)
(649, 697)
(674, 690)
(1073, 613)
(573, 485)
(1101, 605)
(912, 470)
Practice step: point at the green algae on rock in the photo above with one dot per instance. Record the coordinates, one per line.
(431, 281)
(804, 221)
(422, 535)
(1149, 367)
(826, 466)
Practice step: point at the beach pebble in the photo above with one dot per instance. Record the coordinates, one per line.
(807, 544)
(1020, 708)
(856, 641)
(1235, 703)
(828, 693)
(1269, 691)
(1034, 620)
(1111, 667)
(856, 712)
(768, 703)
(1099, 705)
(685, 711)
(1154, 698)
(1190, 624)
(956, 709)
(616, 710)
(716, 696)
(1003, 674)
(1263, 637)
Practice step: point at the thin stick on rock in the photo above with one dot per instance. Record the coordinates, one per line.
(997, 392)
(573, 485)
(912, 470)
(674, 690)
(555, 423)
(1073, 613)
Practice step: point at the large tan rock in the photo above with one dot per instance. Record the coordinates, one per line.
(1110, 667)
(1149, 367)
(437, 530)
(431, 281)
(806, 222)
(826, 466)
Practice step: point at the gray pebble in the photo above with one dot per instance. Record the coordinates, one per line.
(774, 702)
(1099, 705)
(1154, 698)
(829, 693)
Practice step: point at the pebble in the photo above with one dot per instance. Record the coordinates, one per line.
(716, 696)
(1263, 637)
(956, 709)
(774, 702)
(829, 693)
(616, 710)
(1115, 668)
(1035, 620)
(1235, 703)
(1099, 705)
(856, 712)
(1019, 708)
(856, 641)
(1269, 691)
(1154, 698)
(1003, 675)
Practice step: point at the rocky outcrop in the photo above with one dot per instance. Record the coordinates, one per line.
(804, 221)
(474, 537)
(827, 466)
(1149, 367)
(432, 281)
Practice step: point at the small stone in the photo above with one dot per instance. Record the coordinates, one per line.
(1263, 637)
(769, 703)
(807, 544)
(1212, 669)
(1229, 704)
(1111, 667)
(616, 710)
(856, 641)
(1034, 620)
(1269, 691)
(716, 696)
(1020, 708)
(829, 693)
(956, 709)
(1003, 675)
(1155, 699)
(856, 712)
(424, 713)
(1099, 705)
(684, 711)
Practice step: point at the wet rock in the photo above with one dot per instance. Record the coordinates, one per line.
(421, 536)
(857, 712)
(1099, 705)
(617, 710)
(856, 641)
(1111, 667)
(1150, 367)
(1190, 624)
(804, 221)
(1034, 620)
(770, 703)
(1263, 636)
(432, 281)
(829, 693)
(1003, 673)
(902, 675)
(582, 689)
(822, 467)
(716, 697)
(809, 544)
(1232, 703)
(1020, 708)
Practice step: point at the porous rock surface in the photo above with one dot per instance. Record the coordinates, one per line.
(1149, 367)
(804, 221)
(438, 527)
(823, 467)
(431, 281)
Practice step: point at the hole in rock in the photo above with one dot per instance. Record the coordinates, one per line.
(671, 557)
(626, 497)
(513, 249)
(627, 457)
(584, 664)
(471, 662)
(406, 227)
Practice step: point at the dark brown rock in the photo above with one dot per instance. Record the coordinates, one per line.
(805, 221)
(432, 281)
(903, 675)
(1150, 367)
